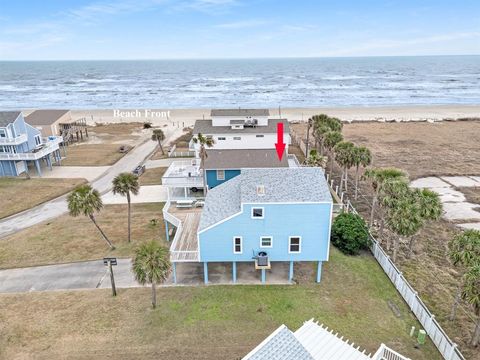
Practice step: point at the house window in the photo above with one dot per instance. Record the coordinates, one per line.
(3, 149)
(266, 242)
(222, 138)
(220, 174)
(237, 245)
(294, 244)
(237, 138)
(260, 136)
(3, 133)
(257, 213)
(38, 140)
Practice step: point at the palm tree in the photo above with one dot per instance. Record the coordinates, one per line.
(471, 294)
(377, 177)
(321, 125)
(86, 200)
(208, 142)
(361, 157)
(405, 220)
(332, 138)
(344, 158)
(126, 184)
(151, 265)
(315, 160)
(430, 209)
(158, 135)
(464, 252)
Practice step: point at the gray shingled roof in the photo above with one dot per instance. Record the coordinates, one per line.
(205, 127)
(248, 158)
(240, 112)
(280, 345)
(221, 202)
(45, 117)
(286, 185)
(7, 117)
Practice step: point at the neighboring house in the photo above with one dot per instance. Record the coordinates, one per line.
(243, 138)
(261, 216)
(21, 143)
(58, 123)
(223, 165)
(241, 129)
(314, 342)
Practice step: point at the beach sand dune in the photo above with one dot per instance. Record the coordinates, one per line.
(187, 117)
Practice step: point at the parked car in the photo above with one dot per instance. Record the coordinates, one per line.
(139, 170)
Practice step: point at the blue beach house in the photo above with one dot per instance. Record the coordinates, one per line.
(21, 144)
(260, 217)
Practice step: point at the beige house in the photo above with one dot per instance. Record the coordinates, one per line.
(48, 121)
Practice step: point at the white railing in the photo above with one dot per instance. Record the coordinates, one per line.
(49, 147)
(444, 344)
(293, 158)
(183, 174)
(20, 139)
(176, 255)
(385, 353)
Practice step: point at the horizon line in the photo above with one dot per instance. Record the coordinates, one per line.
(243, 58)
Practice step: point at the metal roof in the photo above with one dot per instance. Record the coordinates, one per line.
(8, 117)
(205, 127)
(240, 112)
(325, 345)
(285, 185)
(244, 158)
(45, 117)
(280, 345)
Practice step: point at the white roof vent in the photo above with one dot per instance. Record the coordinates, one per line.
(260, 190)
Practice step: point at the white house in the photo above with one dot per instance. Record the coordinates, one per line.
(241, 129)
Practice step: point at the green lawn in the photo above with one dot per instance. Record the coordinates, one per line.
(214, 322)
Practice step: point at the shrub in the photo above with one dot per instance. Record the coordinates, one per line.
(147, 125)
(350, 233)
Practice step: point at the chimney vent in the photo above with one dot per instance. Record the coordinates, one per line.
(260, 190)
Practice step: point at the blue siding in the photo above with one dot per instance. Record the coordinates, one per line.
(7, 168)
(212, 177)
(310, 221)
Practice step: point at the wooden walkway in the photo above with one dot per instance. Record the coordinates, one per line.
(188, 237)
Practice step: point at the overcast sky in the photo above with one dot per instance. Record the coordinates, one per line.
(166, 29)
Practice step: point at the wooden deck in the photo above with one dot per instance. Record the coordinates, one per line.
(185, 248)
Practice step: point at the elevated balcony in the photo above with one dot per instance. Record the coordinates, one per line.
(48, 146)
(184, 174)
(20, 139)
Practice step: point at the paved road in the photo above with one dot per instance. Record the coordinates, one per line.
(147, 194)
(58, 206)
(73, 276)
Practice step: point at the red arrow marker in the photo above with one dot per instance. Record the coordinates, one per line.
(280, 145)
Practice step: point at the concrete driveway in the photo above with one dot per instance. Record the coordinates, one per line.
(73, 276)
(146, 194)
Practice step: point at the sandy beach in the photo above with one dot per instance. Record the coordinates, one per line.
(187, 117)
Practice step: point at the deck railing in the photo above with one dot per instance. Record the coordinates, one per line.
(176, 255)
(20, 139)
(385, 353)
(50, 146)
(183, 173)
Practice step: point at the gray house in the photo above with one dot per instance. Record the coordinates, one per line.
(21, 144)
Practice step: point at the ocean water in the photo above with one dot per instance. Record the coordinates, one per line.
(173, 84)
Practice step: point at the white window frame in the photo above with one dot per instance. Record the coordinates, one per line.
(258, 217)
(290, 244)
(236, 138)
(4, 132)
(38, 140)
(234, 245)
(266, 237)
(260, 136)
(220, 177)
(221, 138)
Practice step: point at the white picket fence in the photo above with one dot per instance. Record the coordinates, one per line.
(444, 344)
